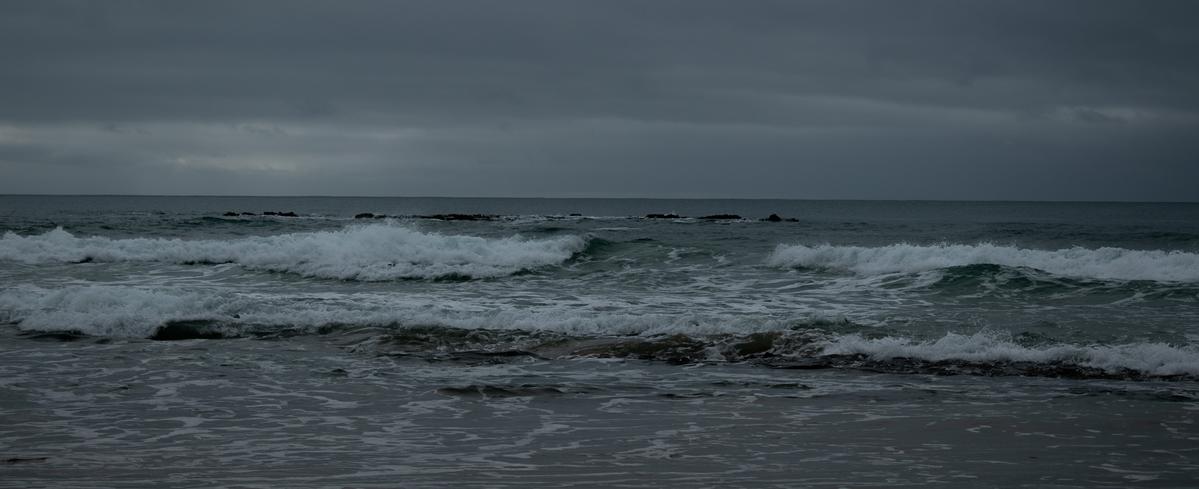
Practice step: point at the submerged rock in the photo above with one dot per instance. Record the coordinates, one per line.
(501, 391)
(231, 214)
(25, 460)
(55, 335)
(661, 216)
(676, 349)
(756, 344)
(364, 215)
(187, 330)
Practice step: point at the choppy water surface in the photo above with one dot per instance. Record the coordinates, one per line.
(557, 342)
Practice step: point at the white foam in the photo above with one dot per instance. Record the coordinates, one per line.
(107, 310)
(360, 252)
(136, 312)
(1102, 263)
(986, 347)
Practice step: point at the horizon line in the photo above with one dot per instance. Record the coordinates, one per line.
(810, 199)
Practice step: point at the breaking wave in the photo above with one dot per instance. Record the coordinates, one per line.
(374, 252)
(986, 348)
(121, 312)
(447, 328)
(1102, 263)
(137, 312)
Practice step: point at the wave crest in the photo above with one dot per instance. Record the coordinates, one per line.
(1155, 359)
(416, 328)
(121, 312)
(371, 252)
(1101, 263)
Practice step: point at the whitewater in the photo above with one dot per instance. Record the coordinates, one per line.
(494, 338)
(374, 252)
(1105, 263)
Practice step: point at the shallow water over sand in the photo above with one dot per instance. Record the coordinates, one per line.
(302, 412)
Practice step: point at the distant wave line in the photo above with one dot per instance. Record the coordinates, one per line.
(1102, 263)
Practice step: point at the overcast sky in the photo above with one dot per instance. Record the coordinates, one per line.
(1022, 100)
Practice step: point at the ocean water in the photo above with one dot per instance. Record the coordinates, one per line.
(156, 341)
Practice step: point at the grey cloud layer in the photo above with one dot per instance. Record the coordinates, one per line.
(944, 99)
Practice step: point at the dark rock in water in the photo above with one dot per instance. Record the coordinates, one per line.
(25, 460)
(721, 216)
(461, 217)
(575, 214)
(677, 350)
(288, 214)
(489, 391)
(231, 214)
(661, 216)
(776, 218)
(801, 364)
(756, 344)
(467, 347)
(187, 330)
(380, 216)
(365, 215)
(270, 213)
(54, 335)
(248, 214)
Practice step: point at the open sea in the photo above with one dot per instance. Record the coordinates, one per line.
(158, 342)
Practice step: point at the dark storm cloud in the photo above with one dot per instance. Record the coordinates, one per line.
(947, 99)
